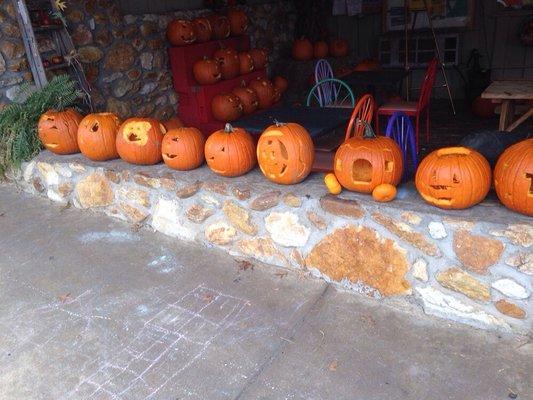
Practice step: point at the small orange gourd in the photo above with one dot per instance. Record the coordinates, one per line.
(333, 185)
(384, 192)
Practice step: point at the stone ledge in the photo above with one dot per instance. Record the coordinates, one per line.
(405, 248)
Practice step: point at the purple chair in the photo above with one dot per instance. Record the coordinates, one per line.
(400, 129)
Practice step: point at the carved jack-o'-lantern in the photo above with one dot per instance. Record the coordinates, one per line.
(238, 21)
(219, 25)
(260, 57)
(246, 63)
(183, 148)
(285, 153)
(362, 163)
(513, 177)
(264, 90)
(230, 151)
(58, 131)
(202, 29)
(180, 32)
(139, 141)
(248, 98)
(226, 107)
(453, 178)
(206, 71)
(97, 134)
(228, 62)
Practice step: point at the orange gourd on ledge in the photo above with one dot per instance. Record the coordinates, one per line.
(332, 183)
(384, 192)
(183, 148)
(97, 135)
(58, 131)
(139, 141)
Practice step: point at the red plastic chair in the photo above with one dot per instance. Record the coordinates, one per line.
(363, 111)
(413, 108)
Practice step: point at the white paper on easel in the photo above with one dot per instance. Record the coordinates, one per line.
(339, 7)
(354, 7)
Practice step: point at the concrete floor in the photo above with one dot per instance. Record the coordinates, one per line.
(91, 309)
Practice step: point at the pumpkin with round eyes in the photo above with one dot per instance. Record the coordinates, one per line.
(285, 153)
(362, 163)
(228, 62)
(139, 141)
(513, 177)
(338, 48)
(97, 134)
(226, 107)
(180, 32)
(58, 131)
(264, 90)
(230, 151)
(302, 50)
(320, 49)
(248, 98)
(220, 26)
(246, 63)
(202, 29)
(259, 57)
(453, 178)
(183, 148)
(238, 22)
(281, 83)
(206, 71)
(172, 123)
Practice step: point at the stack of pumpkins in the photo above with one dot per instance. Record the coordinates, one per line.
(304, 50)
(285, 152)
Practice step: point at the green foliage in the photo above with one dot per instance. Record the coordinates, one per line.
(18, 122)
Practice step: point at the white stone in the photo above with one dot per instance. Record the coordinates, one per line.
(220, 233)
(445, 306)
(522, 261)
(437, 230)
(146, 60)
(49, 173)
(285, 229)
(79, 168)
(510, 288)
(167, 219)
(28, 171)
(420, 270)
(55, 196)
(210, 200)
(63, 170)
(130, 19)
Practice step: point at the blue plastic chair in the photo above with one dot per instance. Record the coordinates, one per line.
(400, 129)
(341, 94)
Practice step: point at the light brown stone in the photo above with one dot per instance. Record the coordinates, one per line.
(113, 176)
(316, 220)
(146, 181)
(137, 196)
(120, 57)
(241, 193)
(262, 249)
(94, 191)
(168, 183)
(65, 189)
(458, 223)
(189, 190)
(477, 253)
(462, 282)
(265, 201)
(510, 309)
(359, 254)
(90, 54)
(37, 184)
(406, 233)
(411, 218)
(297, 258)
(292, 200)
(198, 213)
(239, 217)
(341, 207)
(216, 187)
(519, 234)
(220, 233)
(133, 214)
(522, 261)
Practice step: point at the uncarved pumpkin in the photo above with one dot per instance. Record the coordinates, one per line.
(228, 62)
(220, 26)
(230, 151)
(172, 123)
(206, 71)
(338, 48)
(246, 63)
(483, 108)
(281, 83)
(202, 29)
(226, 107)
(238, 21)
(180, 32)
(513, 177)
(264, 90)
(58, 131)
(139, 141)
(248, 98)
(260, 58)
(302, 50)
(362, 163)
(320, 49)
(285, 153)
(97, 135)
(384, 192)
(453, 178)
(183, 148)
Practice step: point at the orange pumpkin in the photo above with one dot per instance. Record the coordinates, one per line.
(483, 108)
(220, 26)
(248, 98)
(246, 63)
(513, 177)
(180, 32)
(202, 29)
(320, 49)
(338, 48)
(230, 151)
(453, 178)
(368, 64)
(302, 50)
(281, 83)
(362, 163)
(183, 148)
(285, 153)
(226, 107)
(384, 192)
(260, 58)
(238, 21)
(277, 95)
(264, 90)
(58, 131)
(228, 62)
(172, 123)
(139, 141)
(206, 71)
(97, 134)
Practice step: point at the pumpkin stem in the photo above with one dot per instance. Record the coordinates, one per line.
(278, 124)
(369, 132)
(228, 128)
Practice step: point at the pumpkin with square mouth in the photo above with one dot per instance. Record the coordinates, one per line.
(139, 141)
(285, 153)
(58, 131)
(453, 178)
(183, 148)
(97, 134)
(362, 163)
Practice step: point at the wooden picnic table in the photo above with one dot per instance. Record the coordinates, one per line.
(507, 93)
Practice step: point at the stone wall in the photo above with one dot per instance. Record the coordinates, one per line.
(473, 266)
(125, 56)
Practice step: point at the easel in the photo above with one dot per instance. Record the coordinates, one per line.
(431, 27)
